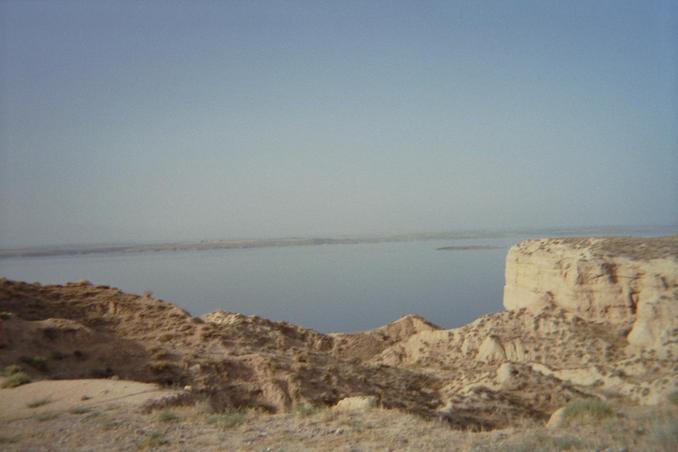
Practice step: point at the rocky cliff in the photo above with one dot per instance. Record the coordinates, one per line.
(615, 280)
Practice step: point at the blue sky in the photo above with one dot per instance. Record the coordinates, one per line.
(162, 120)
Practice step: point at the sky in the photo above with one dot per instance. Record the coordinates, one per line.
(174, 120)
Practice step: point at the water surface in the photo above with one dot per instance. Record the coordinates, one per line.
(327, 287)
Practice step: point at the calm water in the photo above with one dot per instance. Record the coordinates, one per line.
(328, 288)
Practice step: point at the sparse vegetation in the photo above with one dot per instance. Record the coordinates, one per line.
(541, 441)
(36, 362)
(583, 410)
(38, 403)
(9, 439)
(43, 417)
(663, 432)
(168, 416)
(56, 355)
(305, 410)
(228, 419)
(16, 379)
(673, 397)
(152, 440)
(79, 410)
(159, 366)
(11, 370)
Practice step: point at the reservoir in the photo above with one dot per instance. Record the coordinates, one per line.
(324, 287)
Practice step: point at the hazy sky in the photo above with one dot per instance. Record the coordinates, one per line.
(159, 120)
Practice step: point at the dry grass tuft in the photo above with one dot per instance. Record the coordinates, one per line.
(9, 439)
(152, 441)
(587, 409)
(305, 410)
(542, 441)
(16, 379)
(168, 416)
(11, 370)
(44, 417)
(79, 410)
(38, 403)
(227, 419)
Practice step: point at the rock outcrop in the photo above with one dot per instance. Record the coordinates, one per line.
(614, 280)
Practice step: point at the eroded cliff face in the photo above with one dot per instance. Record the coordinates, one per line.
(614, 280)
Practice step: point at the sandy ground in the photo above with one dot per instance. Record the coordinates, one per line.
(63, 395)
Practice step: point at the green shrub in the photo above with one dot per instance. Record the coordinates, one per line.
(16, 379)
(584, 409)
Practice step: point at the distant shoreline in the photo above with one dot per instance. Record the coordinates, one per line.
(228, 244)
(469, 247)
(206, 245)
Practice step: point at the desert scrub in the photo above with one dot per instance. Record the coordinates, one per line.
(168, 416)
(227, 419)
(586, 409)
(16, 379)
(152, 440)
(38, 403)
